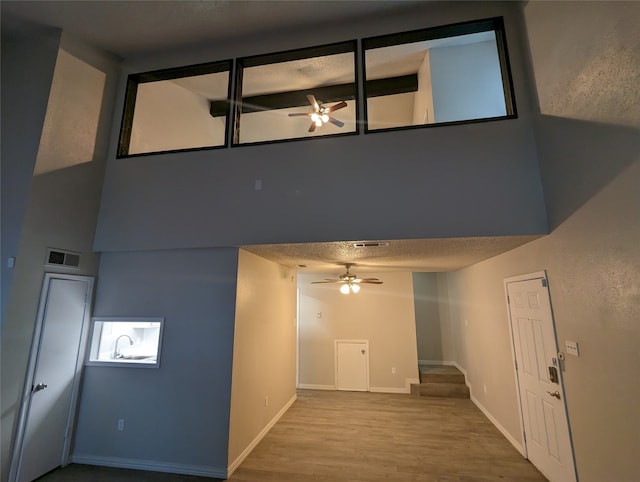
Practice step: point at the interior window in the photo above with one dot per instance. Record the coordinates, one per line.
(297, 94)
(176, 109)
(456, 73)
(132, 341)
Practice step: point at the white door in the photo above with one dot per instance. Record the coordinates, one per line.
(546, 428)
(46, 418)
(352, 365)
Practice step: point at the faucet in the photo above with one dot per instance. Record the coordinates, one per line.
(116, 353)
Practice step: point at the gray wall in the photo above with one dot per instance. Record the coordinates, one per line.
(587, 70)
(57, 204)
(427, 308)
(466, 82)
(176, 416)
(27, 70)
(418, 183)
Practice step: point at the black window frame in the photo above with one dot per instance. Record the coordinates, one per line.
(347, 46)
(133, 80)
(495, 24)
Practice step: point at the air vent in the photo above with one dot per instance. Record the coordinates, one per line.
(371, 244)
(58, 257)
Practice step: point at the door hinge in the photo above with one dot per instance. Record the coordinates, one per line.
(516, 362)
(508, 300)
(524, 435)
(544, 282)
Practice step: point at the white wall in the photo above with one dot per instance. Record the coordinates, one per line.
(586, 66)
(264, 351)
(169, 116)
(382, 314)
(423, 105)
(62, 196)
(466, 82)
(176, 416)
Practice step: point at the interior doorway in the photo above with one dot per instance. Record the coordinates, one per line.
(352, 365)
(46, 419)
(546, 435)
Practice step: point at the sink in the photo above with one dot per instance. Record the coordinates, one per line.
(138, 357)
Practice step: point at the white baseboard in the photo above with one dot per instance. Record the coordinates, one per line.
(152, 465)
(311, 386)
(236, 463)
(497, 424)
(387, 390)
(437, 362)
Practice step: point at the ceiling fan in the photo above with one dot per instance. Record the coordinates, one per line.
(349, 281)
(320, 114)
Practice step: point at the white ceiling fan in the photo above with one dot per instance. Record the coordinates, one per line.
(320, 114)
(350, 283)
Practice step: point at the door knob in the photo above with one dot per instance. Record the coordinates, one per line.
(38, 387)
(555, 394)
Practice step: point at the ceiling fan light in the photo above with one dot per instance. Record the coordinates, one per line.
(355, 288)
(315, 117)
(344, 289)
(324, 117)
(319, 122)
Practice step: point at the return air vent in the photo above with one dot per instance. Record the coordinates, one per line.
(371, 244)
(58, 257)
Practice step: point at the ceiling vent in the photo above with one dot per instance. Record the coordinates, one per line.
(371, 244)
(58, 257)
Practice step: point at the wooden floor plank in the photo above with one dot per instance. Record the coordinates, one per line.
(364, 437)
(355, 436)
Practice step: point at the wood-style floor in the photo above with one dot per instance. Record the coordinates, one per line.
(364, 437)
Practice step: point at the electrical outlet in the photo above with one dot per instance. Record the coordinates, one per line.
(393, 370)
(121, 425)
(485, 388)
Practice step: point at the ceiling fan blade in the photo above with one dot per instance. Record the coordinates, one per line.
(314, 103)
(328, 281)
(369, 279)
(336, 122)
(298, 114)
(312, 127)
(337, 106)
(368, 282)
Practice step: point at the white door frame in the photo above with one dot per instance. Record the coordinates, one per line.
(335, 364)
(25, 402)
(541, 275)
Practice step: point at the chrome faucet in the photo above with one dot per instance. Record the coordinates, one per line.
(116, 353)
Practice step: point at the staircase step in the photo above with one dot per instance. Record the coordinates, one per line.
(444, 390)
(442, 378)
(441, 374)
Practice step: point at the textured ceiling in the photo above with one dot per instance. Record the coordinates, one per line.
(129, 28)
(418, 255)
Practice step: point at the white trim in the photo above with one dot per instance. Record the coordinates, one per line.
(25, 401)
(387, 390)
(236, 463)
(152, 465)
(503, 430)
(437, 362)
(410, 381)
(311, 386)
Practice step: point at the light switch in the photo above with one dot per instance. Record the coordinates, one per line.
(572, 348)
